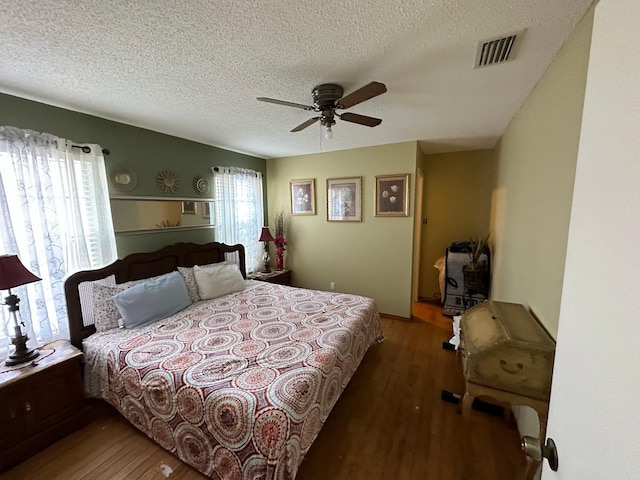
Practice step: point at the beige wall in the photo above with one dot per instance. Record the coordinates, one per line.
(457, 204)
(536, 161)
(535, 170)
(372, 258)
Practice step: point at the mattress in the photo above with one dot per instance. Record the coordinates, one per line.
(239, 386)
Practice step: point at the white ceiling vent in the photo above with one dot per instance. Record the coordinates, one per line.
(497, 50)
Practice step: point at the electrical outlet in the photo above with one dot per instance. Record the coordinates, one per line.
(332, 285)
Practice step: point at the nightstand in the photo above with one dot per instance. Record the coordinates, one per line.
(283, 277)
(40, 402)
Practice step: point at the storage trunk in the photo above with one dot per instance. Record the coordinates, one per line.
(505, 347)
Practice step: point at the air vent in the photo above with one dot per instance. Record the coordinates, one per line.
(497, 50)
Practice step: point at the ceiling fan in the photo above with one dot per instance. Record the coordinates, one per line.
(327, 98)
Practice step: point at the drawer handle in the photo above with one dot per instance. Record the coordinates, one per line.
(27, 407)
(510, 369)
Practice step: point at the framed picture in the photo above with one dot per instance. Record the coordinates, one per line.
(189, 208)
(206, 210)
(303, 197)
(344, 199)
(392, 195)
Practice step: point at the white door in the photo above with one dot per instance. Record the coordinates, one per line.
(595, 399)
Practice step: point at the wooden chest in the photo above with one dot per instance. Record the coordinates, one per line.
(504, 347)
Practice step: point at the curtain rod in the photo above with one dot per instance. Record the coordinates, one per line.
(86, 149)
(217, 169)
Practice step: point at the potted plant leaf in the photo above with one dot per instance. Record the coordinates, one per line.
(476, 272)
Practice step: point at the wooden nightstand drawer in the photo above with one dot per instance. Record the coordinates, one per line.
(57, 393)
(40, 402)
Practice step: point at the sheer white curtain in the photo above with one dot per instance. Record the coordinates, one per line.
(240, 210)
(55, 215)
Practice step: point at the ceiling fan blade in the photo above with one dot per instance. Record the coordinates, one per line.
(365, 93)
(282, 102)
(360, 119)
(304, 125)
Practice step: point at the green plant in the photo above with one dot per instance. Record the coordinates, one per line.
(167, 224)
(477, 246)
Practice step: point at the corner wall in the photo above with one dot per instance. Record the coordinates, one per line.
(371, 258)
(536, 163)
(531, 205)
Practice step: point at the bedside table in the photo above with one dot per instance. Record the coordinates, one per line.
(40, 402)
(283, 277)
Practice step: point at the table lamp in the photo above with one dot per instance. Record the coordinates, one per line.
(13, 274)
(265, 236)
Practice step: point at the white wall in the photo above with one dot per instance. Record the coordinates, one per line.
(594, 416)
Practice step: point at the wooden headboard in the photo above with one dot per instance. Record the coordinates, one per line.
(138, 266)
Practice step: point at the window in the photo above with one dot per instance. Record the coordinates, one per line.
(55, 216)
(240, 210)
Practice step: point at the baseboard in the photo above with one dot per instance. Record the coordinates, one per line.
(432, 301)
(397, 317)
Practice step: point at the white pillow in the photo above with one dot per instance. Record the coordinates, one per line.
(190, 279)
(217, 280)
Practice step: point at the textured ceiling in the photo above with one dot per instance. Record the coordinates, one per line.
(194, 68)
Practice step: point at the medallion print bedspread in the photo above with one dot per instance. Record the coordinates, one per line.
(239, 386)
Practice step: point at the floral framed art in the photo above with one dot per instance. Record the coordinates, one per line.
(344, 199)
(303, 197)
(392, 195)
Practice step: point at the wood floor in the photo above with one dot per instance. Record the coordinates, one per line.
(390, 423)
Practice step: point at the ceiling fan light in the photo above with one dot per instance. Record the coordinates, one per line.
(328, 133)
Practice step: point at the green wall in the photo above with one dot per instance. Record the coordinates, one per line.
(144, 151)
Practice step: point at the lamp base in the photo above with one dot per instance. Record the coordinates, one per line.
(22, 353)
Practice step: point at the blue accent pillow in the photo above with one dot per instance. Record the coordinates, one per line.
(152, 300)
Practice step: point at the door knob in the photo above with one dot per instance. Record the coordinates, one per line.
(534, 449)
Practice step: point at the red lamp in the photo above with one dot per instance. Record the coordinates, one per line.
(13, 274)
(265, 236)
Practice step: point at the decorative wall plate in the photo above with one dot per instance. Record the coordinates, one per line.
(123, 179)
(167, 181)
(201, 185)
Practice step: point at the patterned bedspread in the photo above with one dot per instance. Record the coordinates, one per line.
(239, 386)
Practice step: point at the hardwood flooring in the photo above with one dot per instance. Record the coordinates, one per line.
(390, 423)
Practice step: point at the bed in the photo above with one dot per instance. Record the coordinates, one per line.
(237, 386)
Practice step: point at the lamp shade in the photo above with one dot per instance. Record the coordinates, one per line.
(265, 235)
(13, 273)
